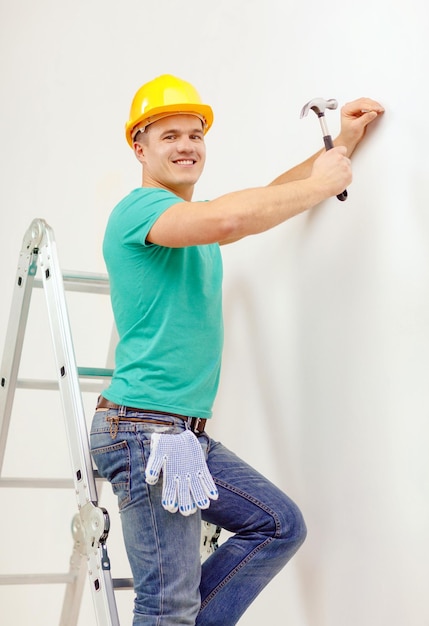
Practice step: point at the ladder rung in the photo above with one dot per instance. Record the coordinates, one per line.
(52, 385)
(24, 482)
(123, 583)
(33, 383)
(40, 483)
(52, 579)
(83, 282)
(35, 579)
(95, 372)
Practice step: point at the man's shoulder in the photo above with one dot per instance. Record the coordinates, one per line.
(134, 215)
(146, 196)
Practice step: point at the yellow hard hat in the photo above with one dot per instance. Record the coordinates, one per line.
(162, 96)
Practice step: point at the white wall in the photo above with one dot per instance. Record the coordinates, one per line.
(324, 384)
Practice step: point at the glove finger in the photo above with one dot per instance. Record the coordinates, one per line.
(199, 493)
(208, 484)
(170, 500)
(187, 505)
(202, 473)
(155, 461)
(153, 468)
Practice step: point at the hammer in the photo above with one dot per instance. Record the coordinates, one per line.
(318, 105)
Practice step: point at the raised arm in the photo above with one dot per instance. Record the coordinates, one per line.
(251, 211)
(241, 213)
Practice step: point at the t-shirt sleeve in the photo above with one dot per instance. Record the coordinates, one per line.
(141, 213)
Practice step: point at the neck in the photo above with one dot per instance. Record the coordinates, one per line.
(184, 191)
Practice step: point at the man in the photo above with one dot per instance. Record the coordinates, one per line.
(162, 255)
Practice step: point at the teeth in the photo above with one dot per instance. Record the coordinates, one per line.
(185, 162)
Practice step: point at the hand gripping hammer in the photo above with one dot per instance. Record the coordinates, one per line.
(318, 105)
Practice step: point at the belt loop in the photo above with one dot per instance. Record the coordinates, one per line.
(114, 421)
(114, 426)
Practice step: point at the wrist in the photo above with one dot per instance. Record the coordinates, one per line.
(350, 143)
(317, 189)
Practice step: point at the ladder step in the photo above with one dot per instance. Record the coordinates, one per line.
(24, 482)
(36, 579)
(83, 282)
(95, 372)
(34, 383)
(52, 385)
(55, 579)
(91, 373)
(39, 483)
(123, 583)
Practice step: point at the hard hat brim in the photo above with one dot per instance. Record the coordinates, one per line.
(203, 111)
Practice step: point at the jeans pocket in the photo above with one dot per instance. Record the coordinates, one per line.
(113, 462)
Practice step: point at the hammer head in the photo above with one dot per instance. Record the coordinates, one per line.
(318, 105)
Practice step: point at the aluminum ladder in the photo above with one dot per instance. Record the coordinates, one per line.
(90, 525)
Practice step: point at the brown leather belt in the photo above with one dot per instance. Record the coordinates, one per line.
(195, 424)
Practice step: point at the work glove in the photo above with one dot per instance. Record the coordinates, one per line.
(187, 482)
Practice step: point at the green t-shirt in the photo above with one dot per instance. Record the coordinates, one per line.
(167, 304)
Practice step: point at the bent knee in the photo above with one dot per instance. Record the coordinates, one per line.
(292, 528)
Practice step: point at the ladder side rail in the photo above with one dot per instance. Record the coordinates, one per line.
(27, 268)
(102, 587)
(67, 372)
(93, 548)
(74, 590)
(103, 598)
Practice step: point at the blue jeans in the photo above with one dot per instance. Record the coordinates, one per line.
(171, 585)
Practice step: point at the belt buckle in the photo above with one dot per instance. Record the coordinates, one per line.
(193, 423)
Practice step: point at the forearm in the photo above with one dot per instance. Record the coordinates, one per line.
(252, 211)
(235, 215)
(303, 170)
(349, 142)
(299, 172)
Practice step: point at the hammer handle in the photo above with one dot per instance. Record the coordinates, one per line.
(329, 145)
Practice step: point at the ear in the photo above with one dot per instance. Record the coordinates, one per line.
(139, 151)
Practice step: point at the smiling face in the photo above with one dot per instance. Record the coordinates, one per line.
(172, 152)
